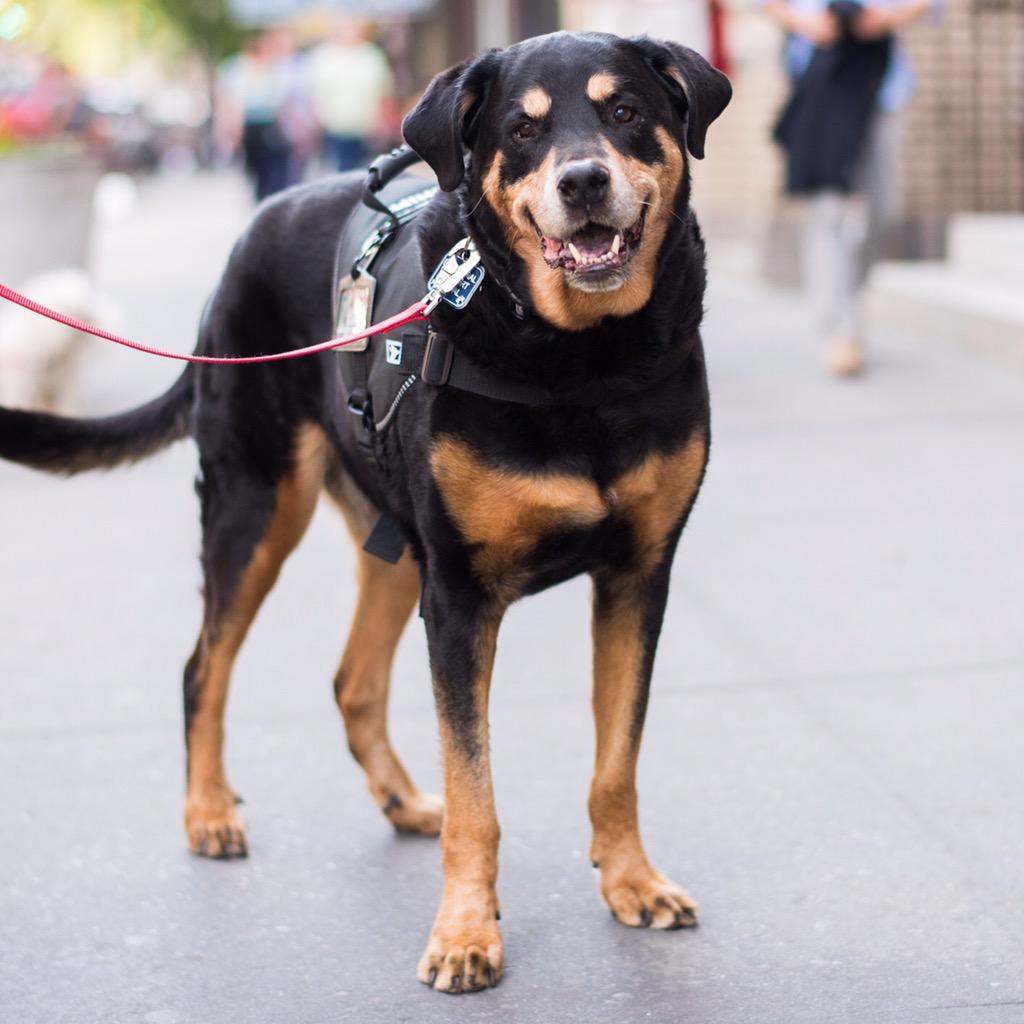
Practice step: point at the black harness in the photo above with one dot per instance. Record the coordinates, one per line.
(378, 273)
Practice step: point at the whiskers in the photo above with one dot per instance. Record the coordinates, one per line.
(671, 213)
(483, 196)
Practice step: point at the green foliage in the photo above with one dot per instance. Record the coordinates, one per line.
(98, 36)
(207, 25)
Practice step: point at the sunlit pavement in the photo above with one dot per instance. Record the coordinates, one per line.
(833, 760)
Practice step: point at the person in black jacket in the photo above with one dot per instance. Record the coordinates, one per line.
(840, 131)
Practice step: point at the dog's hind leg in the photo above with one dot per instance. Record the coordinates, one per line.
(386, 598)
(250, 525)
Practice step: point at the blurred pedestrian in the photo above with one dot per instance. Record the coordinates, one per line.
(841, 131)
(351, 86)
(261, 110)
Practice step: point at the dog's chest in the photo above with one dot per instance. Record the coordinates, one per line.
(506, 515)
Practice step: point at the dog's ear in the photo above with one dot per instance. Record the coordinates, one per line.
(442, 125)
(699, 91)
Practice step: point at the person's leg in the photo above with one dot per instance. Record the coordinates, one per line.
(252, 152)
(836, 228)
(881, 182)
(328, 153)
(867, 214)
(823, 258)
(276, 169)
(348, 151)
(852, 239)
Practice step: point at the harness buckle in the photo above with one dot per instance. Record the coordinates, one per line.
(358, 401)
(438, 355)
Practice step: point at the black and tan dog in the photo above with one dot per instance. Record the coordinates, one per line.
(565, 159)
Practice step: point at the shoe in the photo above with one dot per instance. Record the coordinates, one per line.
(844, 357)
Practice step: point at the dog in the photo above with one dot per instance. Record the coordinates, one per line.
(565, 159)
(39, 358)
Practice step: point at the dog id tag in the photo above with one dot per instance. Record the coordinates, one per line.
(454, 266)
(355, 308)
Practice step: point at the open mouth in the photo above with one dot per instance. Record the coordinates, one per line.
(594, 249)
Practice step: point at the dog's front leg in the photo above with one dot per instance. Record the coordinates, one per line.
(627, 616)
(464, 953)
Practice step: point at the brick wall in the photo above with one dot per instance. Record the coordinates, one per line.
(965, 127)
(963, 133)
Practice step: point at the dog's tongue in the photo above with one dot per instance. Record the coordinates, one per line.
(590, 244)
(594, 240)
(552, 248)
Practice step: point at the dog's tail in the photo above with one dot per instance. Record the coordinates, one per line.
(60, 444)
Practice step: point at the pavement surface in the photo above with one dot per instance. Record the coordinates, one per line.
(833, 761)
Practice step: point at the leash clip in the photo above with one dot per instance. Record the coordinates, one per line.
(456, 278)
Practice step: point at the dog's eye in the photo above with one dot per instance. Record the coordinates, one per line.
(524, 130)
(623, 114)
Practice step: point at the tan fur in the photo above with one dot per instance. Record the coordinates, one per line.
(505, 513)
(536, 102)
(601, 86)
(656, 493)
(465, 946)
(387, 596)
(211, 820)
(659, 493)
(636, 893)
(654, 496)
(569, 308)
(618, 658)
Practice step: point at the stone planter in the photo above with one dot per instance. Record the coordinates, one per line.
(46, 212)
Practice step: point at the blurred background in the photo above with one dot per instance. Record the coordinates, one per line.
(146, 89)
(101, 101)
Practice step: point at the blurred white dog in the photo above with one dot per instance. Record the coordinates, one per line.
(39, 357)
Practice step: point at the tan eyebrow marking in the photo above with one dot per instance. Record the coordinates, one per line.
(536, 102)
(601, 86)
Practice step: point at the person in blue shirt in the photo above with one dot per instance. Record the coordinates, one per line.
(844, 225)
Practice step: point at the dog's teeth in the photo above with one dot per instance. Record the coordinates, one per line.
(575, 253)
(616, 242)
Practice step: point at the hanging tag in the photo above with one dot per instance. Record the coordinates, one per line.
(355, 308)
(458, 275)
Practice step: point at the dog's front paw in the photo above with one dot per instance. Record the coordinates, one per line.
(643, 898)
(215, 828)
(462, 957)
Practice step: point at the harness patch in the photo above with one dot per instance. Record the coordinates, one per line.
(393, 352)
(355, 308)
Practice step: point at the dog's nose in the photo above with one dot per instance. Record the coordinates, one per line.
(584, 183)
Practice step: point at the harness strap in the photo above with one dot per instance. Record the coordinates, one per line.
(436, 361)
(380, 172)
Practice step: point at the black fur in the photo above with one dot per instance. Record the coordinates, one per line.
(61, 444)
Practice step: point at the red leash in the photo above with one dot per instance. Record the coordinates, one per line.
(417, 311)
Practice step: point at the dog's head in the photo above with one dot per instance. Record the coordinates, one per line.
(576, 145)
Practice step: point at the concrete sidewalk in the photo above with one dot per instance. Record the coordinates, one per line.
(833, 762)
